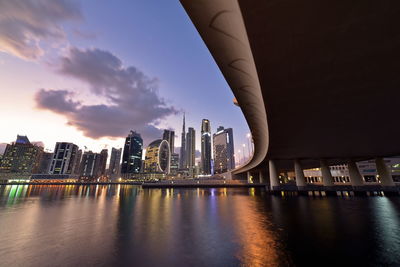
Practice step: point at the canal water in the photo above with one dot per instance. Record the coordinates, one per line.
(122, 225)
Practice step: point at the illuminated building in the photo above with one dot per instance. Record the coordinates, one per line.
(21, 157)
(174, 163)
(64, 158)
(158, 157)
(132, 155)
(205, 147)
(223, 150)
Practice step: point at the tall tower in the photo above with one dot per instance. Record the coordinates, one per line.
(182, 156)
(169, 135)
(190, 149)
(205, 147)
(224, 159)
(132, 155)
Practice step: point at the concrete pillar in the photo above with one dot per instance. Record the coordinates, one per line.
(261, 177)
(327, 178)
(384, 172)
(273, 174)
(300, 179)
(249, 177)
(356, 178)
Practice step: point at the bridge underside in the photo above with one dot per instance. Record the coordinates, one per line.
(317, 82)
(329, 75)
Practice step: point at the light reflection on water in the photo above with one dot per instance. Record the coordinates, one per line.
(125, 225)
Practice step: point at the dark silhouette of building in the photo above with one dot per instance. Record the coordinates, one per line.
(169, 135)
(182, 155)
(190, 150)
(205, 147)
(103, 161)
(115, 159)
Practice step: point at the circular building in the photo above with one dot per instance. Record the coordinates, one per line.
(158, 157)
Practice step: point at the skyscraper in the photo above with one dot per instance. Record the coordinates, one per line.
(115, 159)
(64, 158)
(205, 147)
(132, 155)
(223, 150)
(169, 135)
(190, 149)
(103, 161)
(182, 155)
(45, 163)
(90, 165)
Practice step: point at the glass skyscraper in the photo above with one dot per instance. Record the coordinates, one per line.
(132, 155)
(224, 159)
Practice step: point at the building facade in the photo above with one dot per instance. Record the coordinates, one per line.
(169, 135)
(115, 159)
(64, 158)
(90, 165)
(158, 157)
(132, 155)
(182, 154)
(103, 161)
(174, 168)
(190, 150)
(21, 157)
(223, 147)
(205, 147)
(45, 163)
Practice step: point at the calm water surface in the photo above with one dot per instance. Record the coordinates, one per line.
(130, 226)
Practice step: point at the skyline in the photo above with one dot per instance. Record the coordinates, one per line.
(51, 70)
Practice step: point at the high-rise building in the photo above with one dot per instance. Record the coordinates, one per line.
(158, 157)
(90, 165)
(169, 135)
(190, 150)
(174, 164)
(205, 147)
(21, 157)
(78, 162)
(115, 159)
(103, 161)
(64, 158)
(224, 159)
(132, 155)
(182, 155)
(45, 162)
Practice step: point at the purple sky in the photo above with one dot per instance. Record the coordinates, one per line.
(89, 71)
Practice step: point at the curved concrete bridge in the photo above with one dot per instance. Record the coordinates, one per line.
(318, 81)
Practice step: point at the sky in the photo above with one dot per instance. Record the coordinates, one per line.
(90, 71)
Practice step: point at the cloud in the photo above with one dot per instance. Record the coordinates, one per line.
(26, 24)
(132, 98)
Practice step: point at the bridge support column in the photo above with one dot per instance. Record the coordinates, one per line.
(327, 178)
(356, 178)
(261, 177)
(384, 173)
(300, 179)
(249, 177)
(273, 175)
